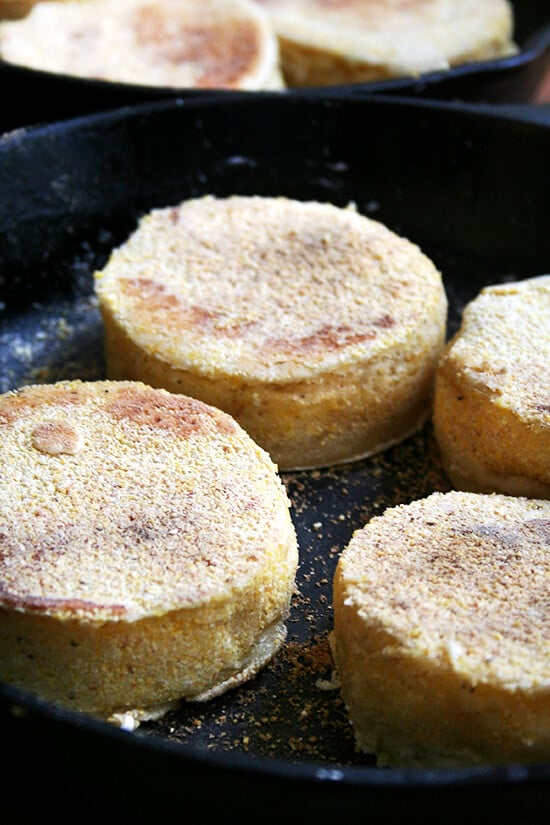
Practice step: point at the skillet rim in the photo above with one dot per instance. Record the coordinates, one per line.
(14, 700)
(533, 53)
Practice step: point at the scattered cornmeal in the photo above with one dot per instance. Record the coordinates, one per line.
(315, 327)
(441, 635)
(147, 549)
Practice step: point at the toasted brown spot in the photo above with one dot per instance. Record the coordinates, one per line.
(21, 401)
(185, 416)
(325, 338)
(152, 297)
(56, 437)
(221, 53)
(150, 294)
(216, 323)
(385, 322)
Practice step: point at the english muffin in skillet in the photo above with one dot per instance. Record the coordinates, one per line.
(492, 399)
(324, 42)
(147, 550)
(172, 43)
(317, 328)
(442, 631)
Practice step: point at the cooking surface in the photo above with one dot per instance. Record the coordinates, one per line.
(291, 710)
(468, 189)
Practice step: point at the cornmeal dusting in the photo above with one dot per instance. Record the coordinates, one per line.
(121, 500)
(267, 288)
(461, 578)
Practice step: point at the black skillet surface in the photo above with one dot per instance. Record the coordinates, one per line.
(472, 189)
(32, 97)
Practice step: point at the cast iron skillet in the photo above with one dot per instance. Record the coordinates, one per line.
(471, 187)
(34, 96)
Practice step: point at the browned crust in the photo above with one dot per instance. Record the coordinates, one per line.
(176, 43)
(441, 631)
(147, 552)
(82, 530)
(316, 328)
(491, 413)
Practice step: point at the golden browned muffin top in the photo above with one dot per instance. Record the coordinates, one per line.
(503, 347)
(459, 577)
(179, 43)
(120, 501)
(267, 288)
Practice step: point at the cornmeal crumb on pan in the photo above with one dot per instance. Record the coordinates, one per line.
(492, 394)
(147, 549)
(441, 634)
(315, 327)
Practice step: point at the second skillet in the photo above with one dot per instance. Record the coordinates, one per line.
(39, 96)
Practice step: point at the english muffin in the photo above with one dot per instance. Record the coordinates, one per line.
(441, 632)
(492, 398)
(147, 549)
(174, 43)
(324, 42)
(315, 327)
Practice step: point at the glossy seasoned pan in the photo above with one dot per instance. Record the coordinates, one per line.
(32, 96)
(471, 187)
